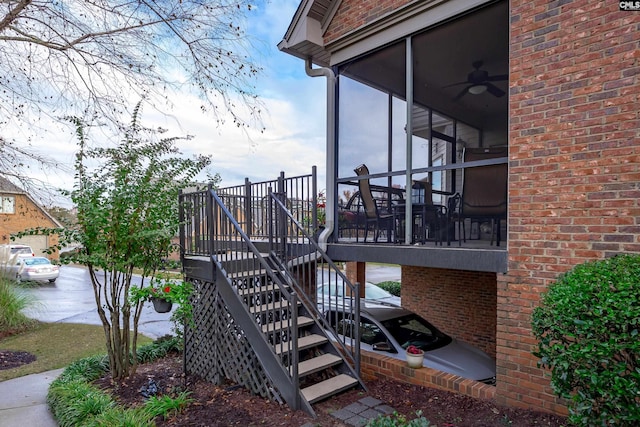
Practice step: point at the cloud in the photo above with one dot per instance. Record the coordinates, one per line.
(295, 118)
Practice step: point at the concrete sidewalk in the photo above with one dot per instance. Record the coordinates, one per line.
(23, 401)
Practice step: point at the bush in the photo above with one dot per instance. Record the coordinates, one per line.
(587, 327)
(398, 420)
(12, 302)
(75, 401)
(392, 287)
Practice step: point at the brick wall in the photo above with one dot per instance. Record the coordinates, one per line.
(27, 215)
(374, 365)
(459, 303)
(574, 152)
(353, 14)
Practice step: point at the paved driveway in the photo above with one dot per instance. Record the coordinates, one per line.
(70, 300)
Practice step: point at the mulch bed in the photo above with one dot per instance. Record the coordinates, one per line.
(230, 405)
(12, 359)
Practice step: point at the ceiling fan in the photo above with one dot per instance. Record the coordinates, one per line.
(479, 81)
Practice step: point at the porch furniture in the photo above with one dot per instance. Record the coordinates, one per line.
(428, 220)
(376, 217)
(484, 192)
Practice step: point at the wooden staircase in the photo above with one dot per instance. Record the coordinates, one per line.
(254, 323)
(322, 371)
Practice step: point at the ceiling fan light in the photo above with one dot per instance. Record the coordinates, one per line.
(477, 89)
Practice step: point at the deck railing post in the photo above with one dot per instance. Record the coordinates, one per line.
(294, 348)
(210, 220)
(248, 207)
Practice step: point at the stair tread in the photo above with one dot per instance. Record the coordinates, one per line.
(276, 305)
(247, 273)
(276, 326)
(329, 387)
(261, 289)
(318, 363)
(307, 342)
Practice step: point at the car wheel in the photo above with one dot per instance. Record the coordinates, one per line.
(52, 280)
(18, 278)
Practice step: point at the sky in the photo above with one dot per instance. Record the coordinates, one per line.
(295, 120)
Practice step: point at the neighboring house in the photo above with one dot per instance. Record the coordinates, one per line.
(19, 212)
(414, 84)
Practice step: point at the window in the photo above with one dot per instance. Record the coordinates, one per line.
(8, 204)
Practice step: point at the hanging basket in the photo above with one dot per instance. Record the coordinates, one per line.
(161, 305)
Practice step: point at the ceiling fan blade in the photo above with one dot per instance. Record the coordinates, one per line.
(498, 78)
(456, 84)
(494, 90)
(461, 94)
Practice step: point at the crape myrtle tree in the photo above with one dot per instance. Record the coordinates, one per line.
(127, 214)
(90, 58)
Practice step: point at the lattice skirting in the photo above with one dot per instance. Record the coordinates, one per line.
(215, 348)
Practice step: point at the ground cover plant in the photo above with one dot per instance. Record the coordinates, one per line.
(75, 400)
(588, 326)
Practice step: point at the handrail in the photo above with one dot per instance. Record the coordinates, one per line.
(232, 250)
(302, 258)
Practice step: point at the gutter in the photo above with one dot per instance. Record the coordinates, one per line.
(331, 171)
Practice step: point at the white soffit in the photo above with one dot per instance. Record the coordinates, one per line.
(391, 28)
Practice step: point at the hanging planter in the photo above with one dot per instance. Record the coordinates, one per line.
(161, 305)
(415, 357)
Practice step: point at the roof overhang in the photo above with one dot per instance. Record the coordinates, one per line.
(304, 37)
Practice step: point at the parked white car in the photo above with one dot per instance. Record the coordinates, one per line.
(33, 268)
(22, 251)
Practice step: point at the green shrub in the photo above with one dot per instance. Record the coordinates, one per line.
(398, 420)
(159, 348)
(166, 405)
(120, 417)
(12, 302)
(390, 286)
(587, 327)
(75, 401)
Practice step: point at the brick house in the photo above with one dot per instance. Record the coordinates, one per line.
(413, 84)
(19, 212)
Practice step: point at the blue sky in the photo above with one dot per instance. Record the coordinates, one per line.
(294, 139)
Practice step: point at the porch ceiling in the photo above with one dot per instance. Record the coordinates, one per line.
(444, 56)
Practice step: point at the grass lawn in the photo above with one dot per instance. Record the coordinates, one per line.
(56, 345)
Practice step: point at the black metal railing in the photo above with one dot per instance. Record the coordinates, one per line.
(209, 229)
(323, 288)
(248, 202)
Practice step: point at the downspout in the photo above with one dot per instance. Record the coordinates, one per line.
(331, 173)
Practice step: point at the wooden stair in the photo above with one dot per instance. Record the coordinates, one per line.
(327, 388)
(321, 367)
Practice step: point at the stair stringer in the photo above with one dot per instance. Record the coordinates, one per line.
(256, 339)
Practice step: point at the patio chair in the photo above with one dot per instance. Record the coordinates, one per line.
(484, 192)
(376, 217)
